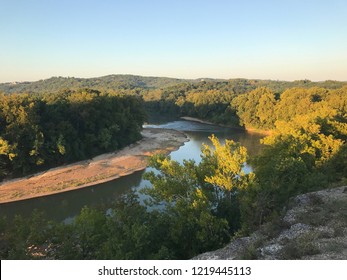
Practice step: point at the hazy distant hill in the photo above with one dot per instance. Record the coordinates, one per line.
(105, 82)
(127, 82)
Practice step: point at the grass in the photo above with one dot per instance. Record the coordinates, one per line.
(302, 246)
(327, 217)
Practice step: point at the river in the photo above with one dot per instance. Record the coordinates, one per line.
(64, 206)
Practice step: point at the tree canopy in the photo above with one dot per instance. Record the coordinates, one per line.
(40, 131)
(190, 207)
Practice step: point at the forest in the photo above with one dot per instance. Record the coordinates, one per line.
(191, 207)
(138, 83)
(246, 103)
(46, 130)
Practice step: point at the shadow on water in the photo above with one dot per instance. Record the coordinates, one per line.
(64, 206)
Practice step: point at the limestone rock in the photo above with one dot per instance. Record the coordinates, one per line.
(314, 227)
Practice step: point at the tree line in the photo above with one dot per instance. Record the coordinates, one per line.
(45, 130)
(138, 83)
(245, 106)
(196, 207)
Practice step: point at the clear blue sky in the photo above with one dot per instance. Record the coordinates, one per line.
(284, 39)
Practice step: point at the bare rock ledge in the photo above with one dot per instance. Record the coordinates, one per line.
(314, 227)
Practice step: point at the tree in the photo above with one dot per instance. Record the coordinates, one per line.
(200, 201)
(45, 130)
(255, 108)
(225, 164)
(300, 156)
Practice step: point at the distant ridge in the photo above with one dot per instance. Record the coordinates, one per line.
(129, 82)
(105, 82)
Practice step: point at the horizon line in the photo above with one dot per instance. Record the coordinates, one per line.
(167, 77)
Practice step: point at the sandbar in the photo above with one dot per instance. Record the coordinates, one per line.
(102, 168)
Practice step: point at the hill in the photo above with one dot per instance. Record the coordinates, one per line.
(130, 82)
(105, 82)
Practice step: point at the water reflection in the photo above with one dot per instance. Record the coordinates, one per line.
(198, 134)
(64, 206)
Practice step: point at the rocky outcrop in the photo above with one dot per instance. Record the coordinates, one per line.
(313, 227)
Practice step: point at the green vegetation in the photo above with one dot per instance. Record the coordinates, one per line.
(208, 99)
(191, 214)
(191, 207)
(259, 108)
(41, 131)
(110, 82)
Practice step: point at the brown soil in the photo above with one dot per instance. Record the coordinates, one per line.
(102, 168)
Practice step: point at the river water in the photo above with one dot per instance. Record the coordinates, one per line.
(64, 206)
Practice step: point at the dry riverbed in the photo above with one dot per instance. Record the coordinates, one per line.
(102, 168)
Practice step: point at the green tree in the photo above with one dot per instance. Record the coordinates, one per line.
(255, 109)
(299, 157)
(200, 200)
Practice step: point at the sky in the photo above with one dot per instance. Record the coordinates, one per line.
(278, 40)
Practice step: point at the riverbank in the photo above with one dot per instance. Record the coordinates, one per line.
(197, 120)
(249, 130)
(102, 168)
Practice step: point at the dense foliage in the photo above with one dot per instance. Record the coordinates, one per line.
(249, 107)
(261, 108)
(110, 82)
(129, 82)
(195, 207)
(208, 99)
(40, 131)
(306, 154)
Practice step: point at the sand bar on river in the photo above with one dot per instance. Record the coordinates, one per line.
(102, 168)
